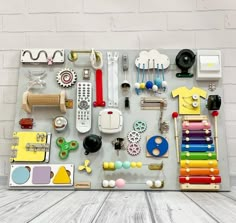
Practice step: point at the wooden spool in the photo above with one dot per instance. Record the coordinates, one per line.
(30, 100)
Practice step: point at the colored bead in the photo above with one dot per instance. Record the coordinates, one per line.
(112, 183)
(158, 82)
(133, 164)
(118, 164)
(120, 183)
(111, 165)
(164, 84)
(105, 183)
(142, 86)
(149, 183)
(105, 165)
(126, 165)
(137, 85)
(149, 85)
(158, 183)
(139, 164)
(155, 88)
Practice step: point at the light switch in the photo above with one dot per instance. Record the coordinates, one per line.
(209, 65)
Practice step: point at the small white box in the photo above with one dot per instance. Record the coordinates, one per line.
(209, 65)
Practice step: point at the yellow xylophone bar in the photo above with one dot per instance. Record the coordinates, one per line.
(198, 163)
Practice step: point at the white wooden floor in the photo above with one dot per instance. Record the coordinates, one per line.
(120, 207)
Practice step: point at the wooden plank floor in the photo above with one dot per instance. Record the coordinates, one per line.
(116, 207)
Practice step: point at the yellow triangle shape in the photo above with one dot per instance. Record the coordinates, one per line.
(61, 176)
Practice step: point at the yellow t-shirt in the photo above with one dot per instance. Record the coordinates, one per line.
(189, 100)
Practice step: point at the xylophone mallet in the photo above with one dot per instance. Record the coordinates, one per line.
(215, 114)
(174, 116)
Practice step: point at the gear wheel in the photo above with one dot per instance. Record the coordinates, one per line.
(66, 77)
(133, 149)
(140, 126)
(134, 136)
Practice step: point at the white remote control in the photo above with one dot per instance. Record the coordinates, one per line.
(84, 104)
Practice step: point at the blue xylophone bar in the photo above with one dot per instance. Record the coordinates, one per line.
(198, 147)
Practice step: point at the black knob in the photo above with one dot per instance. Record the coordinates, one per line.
(92, 143)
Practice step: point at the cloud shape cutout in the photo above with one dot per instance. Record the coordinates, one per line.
(152, 59)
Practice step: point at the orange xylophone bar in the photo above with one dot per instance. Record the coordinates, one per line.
(199, 171)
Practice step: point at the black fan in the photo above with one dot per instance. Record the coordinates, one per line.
(185, 60)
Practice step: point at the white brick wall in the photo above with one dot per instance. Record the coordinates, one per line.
(167, 39)
(108, 6)
(167, 5)
(196, 21)
(142, 22)
(208, 5)
(28, 23)
(12, 6)
(60, 6)
(125, 24)
(12, 41)
(230, 20)
(83, 22)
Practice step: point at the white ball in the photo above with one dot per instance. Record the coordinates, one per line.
(105, 183)
(155, 88)
(158, 183)
(149, 183)
(137, 85)
(112, 183)
(164, 84)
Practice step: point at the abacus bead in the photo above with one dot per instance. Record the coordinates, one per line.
(133, 164)
(105, 165)
(111, 165)
(149, 183)
(137, 85)
(118, 164)
(120, 183)
(126, 165)
(105, 183)
(158, 183)
(139, 164)
(164, 84)
(142, 86)
(149, 85)
(111, 183)
(155, 88)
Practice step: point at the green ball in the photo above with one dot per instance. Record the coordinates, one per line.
(118, 164)
(126, 165)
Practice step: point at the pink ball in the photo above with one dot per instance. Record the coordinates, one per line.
(120, 183)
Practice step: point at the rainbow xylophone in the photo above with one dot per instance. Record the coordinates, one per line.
(198, 156)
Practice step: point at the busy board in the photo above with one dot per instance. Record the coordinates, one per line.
(119, 120)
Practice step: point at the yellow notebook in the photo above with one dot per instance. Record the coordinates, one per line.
(29, 146)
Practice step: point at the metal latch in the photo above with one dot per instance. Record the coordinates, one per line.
(152, 103)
